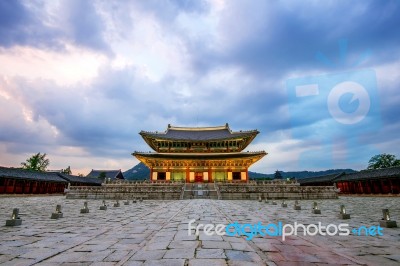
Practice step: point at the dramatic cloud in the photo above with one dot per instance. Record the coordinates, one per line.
(80, 79)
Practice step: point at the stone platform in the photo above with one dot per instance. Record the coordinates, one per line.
(271, 189)
(154, 232)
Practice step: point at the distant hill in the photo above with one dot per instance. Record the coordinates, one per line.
(305, 174)
(138, 172)
(142, 172)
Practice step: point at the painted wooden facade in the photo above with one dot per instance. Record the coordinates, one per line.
(199, 154)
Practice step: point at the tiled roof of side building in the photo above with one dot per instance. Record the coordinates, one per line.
(113, 174)
(81, 179)
(318, 179)
(17, 173)
(198, 133)
(372, 174)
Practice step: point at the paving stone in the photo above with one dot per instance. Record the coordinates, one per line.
(19, 262)
(207, 262)
(184, 244)
(155, 232)
(165, 262)
(241, 246)
(67, 257)
(157, 245)
(133, 263)
(216, 244)
(248, 263)
(242, 255)
(148, 255)
(116, 255)
(179, 253)
(210, 253)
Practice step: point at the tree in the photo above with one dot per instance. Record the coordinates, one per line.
(102, 175)
(37, 162)
(383, 160)
(277, 175)
(66, 170)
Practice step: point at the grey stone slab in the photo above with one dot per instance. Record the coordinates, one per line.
(241, 246)
(207, 262)
(184, 244)
(242, 256)
(5, 258)
(165, 262)
(210, 253)
(178, 253)
(116, 255)
(133, 263)
(157, 245)
(19, 262)
(216, 244)
(154, 228)
(67, 257)
(148, 255)
(248, 263)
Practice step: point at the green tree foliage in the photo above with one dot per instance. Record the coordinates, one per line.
(277, 175)
(66, 170)
(37, 162)
(102, 175)
(383, 160)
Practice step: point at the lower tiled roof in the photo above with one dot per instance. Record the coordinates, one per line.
(372, 174)
(81, 179)
(112, 174)
(319, 179)
(200, 156)
(17, 173)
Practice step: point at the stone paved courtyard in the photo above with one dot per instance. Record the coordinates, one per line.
(155, 233)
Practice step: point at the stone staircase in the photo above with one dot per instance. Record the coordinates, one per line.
(200, 191)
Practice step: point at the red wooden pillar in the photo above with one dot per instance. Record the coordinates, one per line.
(187, 174)
(351, 187)
(210, 179)
(371, 186)
(35, 188)
(3, 187)
(390, 186)
(384, 190)
(341, 187)
(396, 187)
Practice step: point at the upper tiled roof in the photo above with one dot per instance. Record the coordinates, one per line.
(17, 173)
(113, 174)
(198, 133)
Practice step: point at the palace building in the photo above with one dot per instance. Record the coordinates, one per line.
(199, 154)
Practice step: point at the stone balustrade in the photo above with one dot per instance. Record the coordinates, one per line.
(127, 190)
(274, 189)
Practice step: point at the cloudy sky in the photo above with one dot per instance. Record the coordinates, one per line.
(80, 79)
